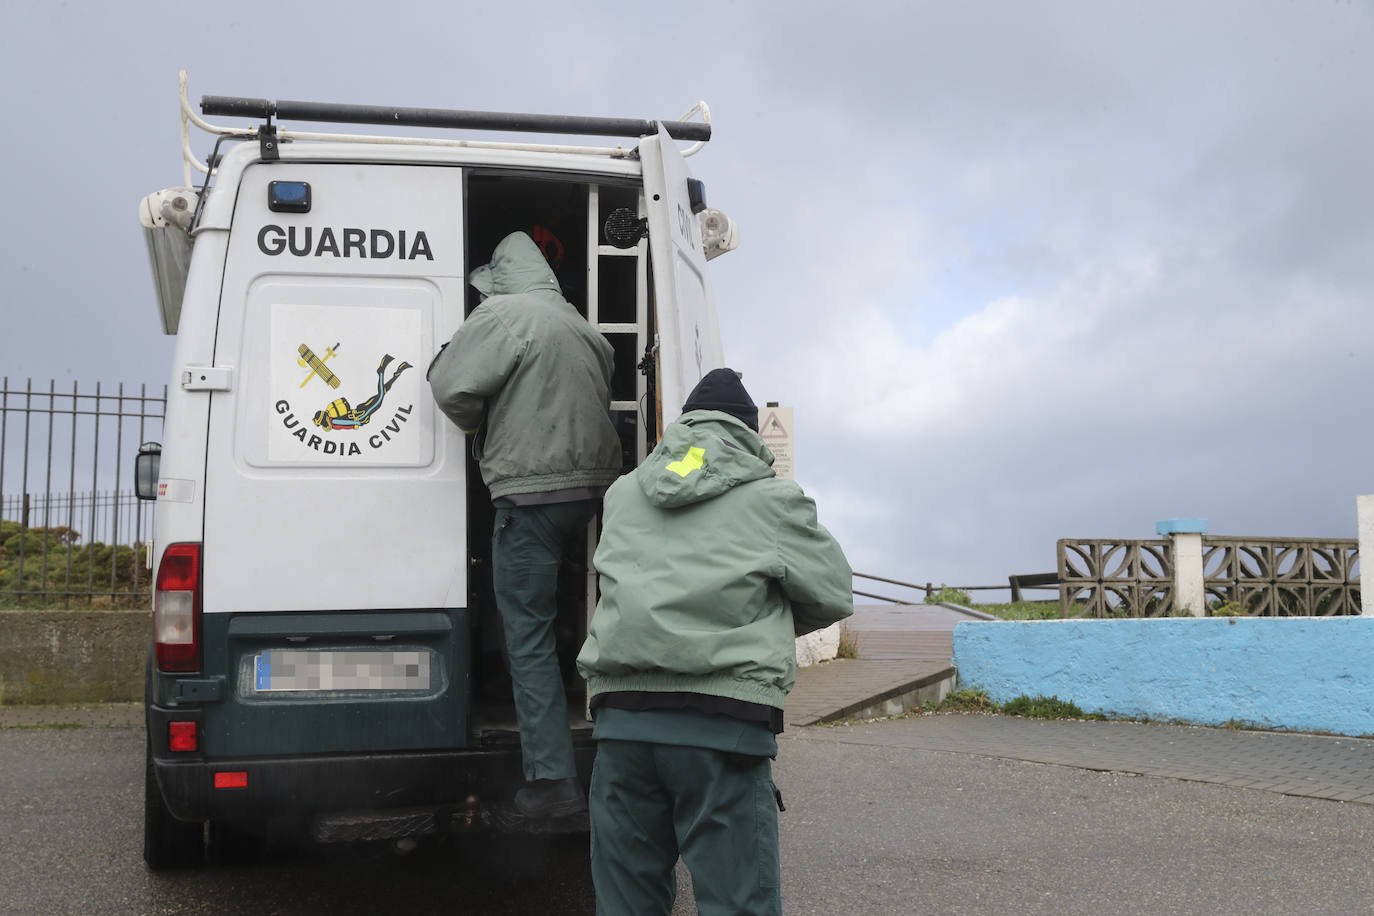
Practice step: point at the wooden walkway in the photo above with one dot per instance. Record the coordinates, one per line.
(911, 631)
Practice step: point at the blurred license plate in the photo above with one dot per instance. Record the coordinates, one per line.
(342, 669)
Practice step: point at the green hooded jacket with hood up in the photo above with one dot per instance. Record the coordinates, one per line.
(531, 378)
(710, 565)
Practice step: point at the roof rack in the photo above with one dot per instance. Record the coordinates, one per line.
(232, 106)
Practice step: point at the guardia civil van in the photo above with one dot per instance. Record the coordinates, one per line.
(326, 652)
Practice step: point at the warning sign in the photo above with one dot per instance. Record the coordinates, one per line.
(775, 428)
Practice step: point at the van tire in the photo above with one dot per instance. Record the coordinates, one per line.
(167, 842)
(233, 843)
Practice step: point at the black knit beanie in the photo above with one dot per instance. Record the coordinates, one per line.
(721, 389)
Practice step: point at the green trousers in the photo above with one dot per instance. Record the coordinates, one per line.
(527, 546)
(651, 803)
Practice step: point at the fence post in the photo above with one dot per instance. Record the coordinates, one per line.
(1364, 507)
(1190, 594)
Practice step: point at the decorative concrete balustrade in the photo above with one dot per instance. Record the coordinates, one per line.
(1189, 572)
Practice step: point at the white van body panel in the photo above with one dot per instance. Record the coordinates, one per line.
(372, 274)
(219, 208)
(181, 483)
(689, 339)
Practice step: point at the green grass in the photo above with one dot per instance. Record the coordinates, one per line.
(1042, 707)
(967, 699)
(1022, 610)
(947, 595)
(975, 700)
(57, 571)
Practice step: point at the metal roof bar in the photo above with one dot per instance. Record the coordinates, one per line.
(238, 107)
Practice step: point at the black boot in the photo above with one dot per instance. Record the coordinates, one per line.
(548, 798)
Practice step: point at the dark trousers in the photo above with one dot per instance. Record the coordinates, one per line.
(527, 546)
(651, 803)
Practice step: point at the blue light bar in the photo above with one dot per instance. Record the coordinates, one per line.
(288, 196)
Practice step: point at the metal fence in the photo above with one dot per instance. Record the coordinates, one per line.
(71, 528)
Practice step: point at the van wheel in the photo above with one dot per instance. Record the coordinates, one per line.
(167, 842)
(234, 843)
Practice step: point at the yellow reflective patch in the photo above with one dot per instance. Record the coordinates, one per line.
(692, 461)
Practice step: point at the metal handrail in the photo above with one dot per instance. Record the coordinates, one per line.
(929, 588)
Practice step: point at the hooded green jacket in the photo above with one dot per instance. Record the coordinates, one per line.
(531, 378)
(710, 565)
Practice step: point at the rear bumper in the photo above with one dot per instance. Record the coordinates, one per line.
(306, 786)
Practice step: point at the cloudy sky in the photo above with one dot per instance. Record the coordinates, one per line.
(1025, 270)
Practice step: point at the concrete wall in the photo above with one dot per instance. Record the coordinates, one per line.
(819, 646)
(1303, 674)
(98, 656)
(73, 656)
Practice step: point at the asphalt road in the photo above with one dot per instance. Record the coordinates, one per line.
(871, 827)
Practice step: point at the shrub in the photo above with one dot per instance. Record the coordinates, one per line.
(1229, 609)
(1042, 707)
(947, 595)
(968, 699)
(849, 644)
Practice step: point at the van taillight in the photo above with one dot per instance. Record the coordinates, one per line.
(176, 609)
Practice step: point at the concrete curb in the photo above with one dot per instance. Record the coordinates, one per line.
(104, 715)
(932, 688)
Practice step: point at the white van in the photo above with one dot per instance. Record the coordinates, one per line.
(326, 649)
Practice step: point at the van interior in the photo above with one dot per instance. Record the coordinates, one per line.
(610, 287)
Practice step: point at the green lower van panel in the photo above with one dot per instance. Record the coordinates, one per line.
(336, 682)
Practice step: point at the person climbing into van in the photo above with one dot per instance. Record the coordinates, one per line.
(710, 565)
(529, 379)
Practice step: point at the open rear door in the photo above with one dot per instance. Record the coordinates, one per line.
(688, 335)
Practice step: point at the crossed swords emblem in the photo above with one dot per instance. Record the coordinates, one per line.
(317, 366)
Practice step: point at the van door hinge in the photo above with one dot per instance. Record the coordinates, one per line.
(206, 378)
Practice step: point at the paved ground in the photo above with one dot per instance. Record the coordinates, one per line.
(1312, 766)
(923, 814)
(875, 823)
(900, 645)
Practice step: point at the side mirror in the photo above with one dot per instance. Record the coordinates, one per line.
(146, 467)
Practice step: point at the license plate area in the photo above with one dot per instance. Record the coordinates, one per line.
(343, 671)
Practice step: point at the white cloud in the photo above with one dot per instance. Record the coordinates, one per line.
(1025, 271)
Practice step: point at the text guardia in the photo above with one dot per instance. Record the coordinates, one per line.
(306, 241)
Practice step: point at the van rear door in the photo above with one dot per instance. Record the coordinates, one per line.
(689, 336)
(334, 585)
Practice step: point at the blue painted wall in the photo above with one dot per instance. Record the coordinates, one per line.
(1303, 674)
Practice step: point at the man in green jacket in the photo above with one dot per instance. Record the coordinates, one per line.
(710, 566)
(529, 379)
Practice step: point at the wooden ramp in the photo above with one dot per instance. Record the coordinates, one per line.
(907, 631)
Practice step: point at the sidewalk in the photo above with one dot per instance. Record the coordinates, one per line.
(904, 661)
(857, 688)
(1311, 766)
